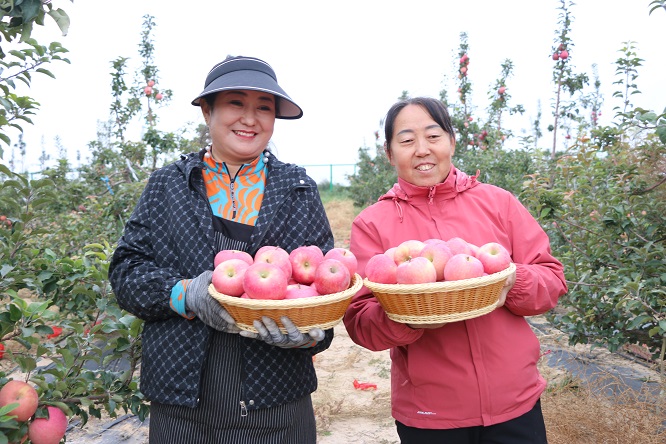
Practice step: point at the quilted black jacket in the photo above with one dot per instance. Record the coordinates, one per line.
(170, 237)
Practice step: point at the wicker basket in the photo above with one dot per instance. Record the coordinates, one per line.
(439, 302)
(322, 312)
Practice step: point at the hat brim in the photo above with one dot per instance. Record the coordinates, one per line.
(253, 81)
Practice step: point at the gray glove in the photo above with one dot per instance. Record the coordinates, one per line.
(205, 307)
(270, 333)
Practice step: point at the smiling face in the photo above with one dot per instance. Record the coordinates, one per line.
(419, 149)
(241, 125)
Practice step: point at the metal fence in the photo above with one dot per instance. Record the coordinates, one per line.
(332, 173)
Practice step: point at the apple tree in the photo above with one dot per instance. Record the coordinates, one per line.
(22, 57)
(603, 202)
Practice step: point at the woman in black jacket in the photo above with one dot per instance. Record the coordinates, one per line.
(206, 382)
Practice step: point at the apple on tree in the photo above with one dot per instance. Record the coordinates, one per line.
(331, 276)
(417, 270)
(49, 430)
(345, 256)
(23, 395)
(381, 268)
(264, 280)
(228, 277)
(304, 261)
(494, 257)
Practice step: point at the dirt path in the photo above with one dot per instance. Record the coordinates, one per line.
(346, 414)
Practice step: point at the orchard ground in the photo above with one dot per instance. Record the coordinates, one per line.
(593, 396)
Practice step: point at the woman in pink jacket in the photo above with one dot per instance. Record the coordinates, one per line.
(472, 381)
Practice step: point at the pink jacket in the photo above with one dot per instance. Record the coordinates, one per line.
(481, 371)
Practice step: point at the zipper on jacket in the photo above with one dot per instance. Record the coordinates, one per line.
(243, 409)
(258, 240)
(232, 189)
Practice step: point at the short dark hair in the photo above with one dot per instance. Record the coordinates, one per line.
(435, 108)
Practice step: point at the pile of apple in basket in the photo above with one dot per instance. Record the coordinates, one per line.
(312, 288)
(437, 281)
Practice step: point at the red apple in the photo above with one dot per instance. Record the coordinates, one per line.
(263, 280)
(224, 255)
(345, 256)
(463, 266)
(407, 250)
(417, 270)
(391, 252)
(381, 268)
(439, 254)
(159, 96)
(433, 241)
(148, 90)
(48, 430)
(21, 393)
(304, 261)
(296, 291)
(556, 56)
(564, 54)
(228, 277)
(501, 90)
(473, 249)
(276, 256)
(151, 83)
(458, 245)
(332, 276)
(494, 257)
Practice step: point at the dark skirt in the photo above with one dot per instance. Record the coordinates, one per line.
(219, 417)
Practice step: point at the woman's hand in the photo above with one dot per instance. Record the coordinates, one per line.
(508, 285)
(427, 326)
(270, 333)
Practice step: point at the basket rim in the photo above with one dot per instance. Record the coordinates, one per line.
(442, 286)
(312, 301)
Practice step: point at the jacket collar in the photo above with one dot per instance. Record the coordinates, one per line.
(456, 182)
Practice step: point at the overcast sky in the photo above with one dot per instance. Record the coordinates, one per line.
(343, 62)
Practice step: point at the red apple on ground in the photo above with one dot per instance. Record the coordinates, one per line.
(304, 261)
(228, 277)
(263, 280)
(494, 257)
(345, 256)
(332, 276)
(417, 270)
(458, 245)
(48, 431)
(276, 256)
(439, 254)
(21, 393)
(381, 268)
(296, 291)
(407, 250)
(463, 266)
(224, 255)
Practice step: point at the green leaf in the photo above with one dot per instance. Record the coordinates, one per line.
(61, 18)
